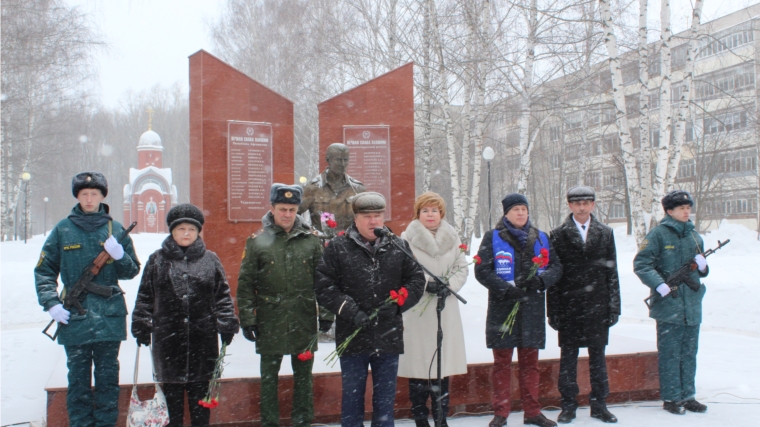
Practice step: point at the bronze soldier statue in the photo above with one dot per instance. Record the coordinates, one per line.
(331, 190)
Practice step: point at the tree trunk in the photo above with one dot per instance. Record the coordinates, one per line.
(663, 149)
(525, 146)
(645, 153)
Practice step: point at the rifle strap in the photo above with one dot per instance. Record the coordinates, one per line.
(110, 228)
(699, 251)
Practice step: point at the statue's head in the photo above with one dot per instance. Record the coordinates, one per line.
(337, 158)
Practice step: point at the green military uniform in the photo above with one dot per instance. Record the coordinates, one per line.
(94, 336)
(667, 247)
(276, 293)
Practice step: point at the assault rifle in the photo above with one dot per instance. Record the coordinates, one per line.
(85, 284)
(683, 275)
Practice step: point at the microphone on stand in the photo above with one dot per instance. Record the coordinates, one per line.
(382, 232)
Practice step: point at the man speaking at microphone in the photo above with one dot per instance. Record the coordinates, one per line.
(354, 280)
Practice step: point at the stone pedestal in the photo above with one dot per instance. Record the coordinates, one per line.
(241, 140)
(376, 121)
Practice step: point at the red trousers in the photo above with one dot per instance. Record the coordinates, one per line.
(501, 378)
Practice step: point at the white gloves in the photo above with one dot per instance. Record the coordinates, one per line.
(701, 262)
(59, 314)
(114, 248)
(663, 289)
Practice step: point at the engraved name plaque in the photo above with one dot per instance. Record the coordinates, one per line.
(249, 170)
(370, 151)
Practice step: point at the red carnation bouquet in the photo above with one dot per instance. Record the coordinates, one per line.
(211, 400)
(308, 354)
(396, 297)
(540, 261)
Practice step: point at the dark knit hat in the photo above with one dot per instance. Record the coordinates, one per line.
(581, 192)
(89, 180)
(185, 213)
(676, 198)
(513, 200)
(368, 202)
(289, 194)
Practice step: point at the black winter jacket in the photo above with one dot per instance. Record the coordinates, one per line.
(184, 302)
(351, 277)
(529, 330)
(589, 291)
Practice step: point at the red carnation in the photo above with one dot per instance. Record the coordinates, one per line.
(340, 233)
(306, 355)
(462, 247)
(400, 296)
(331, 223)
(545, 253)
(477, 259)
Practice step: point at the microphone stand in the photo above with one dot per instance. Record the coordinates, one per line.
(443, 293)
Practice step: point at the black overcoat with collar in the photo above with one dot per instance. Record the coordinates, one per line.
(589, 291)
(352, 276)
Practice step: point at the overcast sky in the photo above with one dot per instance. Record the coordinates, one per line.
(150, 40)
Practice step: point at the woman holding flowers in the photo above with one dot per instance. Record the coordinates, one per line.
(183, 304)
(518, 265)
(436, 245)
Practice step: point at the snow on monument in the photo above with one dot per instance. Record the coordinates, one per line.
(150, 192)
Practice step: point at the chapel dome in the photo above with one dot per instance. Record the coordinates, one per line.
(150, 139)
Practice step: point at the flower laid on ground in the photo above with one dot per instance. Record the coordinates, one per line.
(394, 298)
(308, 354)
(211, 400)
(540, 261)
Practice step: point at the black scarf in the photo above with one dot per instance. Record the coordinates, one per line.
(521, 234)
(90, 221)
(172, 250)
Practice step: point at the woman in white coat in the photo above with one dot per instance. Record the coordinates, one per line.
(436, 245)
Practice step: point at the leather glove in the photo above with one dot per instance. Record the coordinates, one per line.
(361, 320)
(432, 287)
(143, 340)
(251, 333)
(663, 289)
(701, 262)
(614, 317)
(532, 285)
(59, 314)
(513, 292)
(554, 322)
(387, 312)
(325, 325)
(113, 248)
(227, 338)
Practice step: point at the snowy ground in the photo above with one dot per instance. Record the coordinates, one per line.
(728, 378)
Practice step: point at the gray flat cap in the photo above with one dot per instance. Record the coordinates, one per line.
(368, 202)
(581, 192)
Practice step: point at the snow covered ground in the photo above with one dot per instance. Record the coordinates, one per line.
(728, 378)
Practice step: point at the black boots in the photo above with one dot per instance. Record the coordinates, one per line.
(673, 407)
(600, 412)
(566, 416)
(694, 406)
(497, 421)
(422, 423)
(539, 420)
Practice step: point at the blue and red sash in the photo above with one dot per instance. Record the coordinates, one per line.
(504, 255)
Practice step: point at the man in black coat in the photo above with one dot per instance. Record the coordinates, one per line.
(355, 278)
(585, 303)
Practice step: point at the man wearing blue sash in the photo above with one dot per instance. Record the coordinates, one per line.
(508, 253)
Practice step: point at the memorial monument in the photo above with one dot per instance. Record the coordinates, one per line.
(331, 191)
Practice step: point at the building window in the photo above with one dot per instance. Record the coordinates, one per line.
(710, 46)
(611, 144)
(513, 138)
(572, 152)
(574, 121)
(607, 115)
(738, 161)
(513, 163)
(725, 122)
(593, 179)
(654, 100)
(613, 179)
(555, 161)
(617, 210)
(687, 168)
(571, 180)
(555, 133)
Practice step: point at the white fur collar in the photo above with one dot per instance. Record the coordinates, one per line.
(419, 237)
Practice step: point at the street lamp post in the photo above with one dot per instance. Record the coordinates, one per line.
(488, 154)
(44, 220)
(26, 176)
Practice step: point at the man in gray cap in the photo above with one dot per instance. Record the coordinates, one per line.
(277, 305)
(357, 274)
(332, 190)
(585, 302)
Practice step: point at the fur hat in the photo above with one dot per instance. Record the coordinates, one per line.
(675, 199)
(581, 192)
(512, 200)
(289, 194)
(368, 202)
(89, 180)
(185, 213)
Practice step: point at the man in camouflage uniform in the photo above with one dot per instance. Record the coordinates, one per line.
(332, 190)
(95, 336)
(278, 308)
